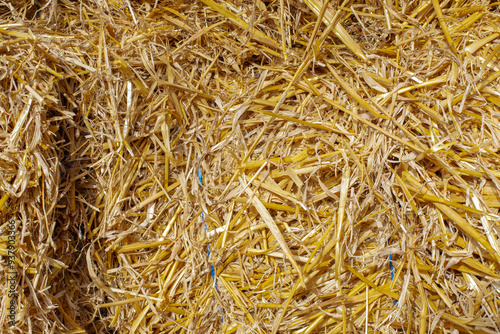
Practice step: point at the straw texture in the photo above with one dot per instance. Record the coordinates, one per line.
(251, 166)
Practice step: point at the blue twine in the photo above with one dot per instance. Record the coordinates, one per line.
(212, 268)
(392, 267)
(199, 174)
(392, 271)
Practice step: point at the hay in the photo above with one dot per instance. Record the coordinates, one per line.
(251, 167)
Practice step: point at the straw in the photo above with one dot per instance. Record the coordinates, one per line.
(250, 166)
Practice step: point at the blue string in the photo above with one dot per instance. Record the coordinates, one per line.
(212, 268)
(392, 271)
(392, 267)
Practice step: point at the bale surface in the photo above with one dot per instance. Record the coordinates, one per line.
(287, 166)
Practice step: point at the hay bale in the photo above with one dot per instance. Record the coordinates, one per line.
(238, 167)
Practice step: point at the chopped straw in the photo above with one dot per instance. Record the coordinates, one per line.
(291, 166)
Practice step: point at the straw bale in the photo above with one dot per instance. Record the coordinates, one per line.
(291, 166)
